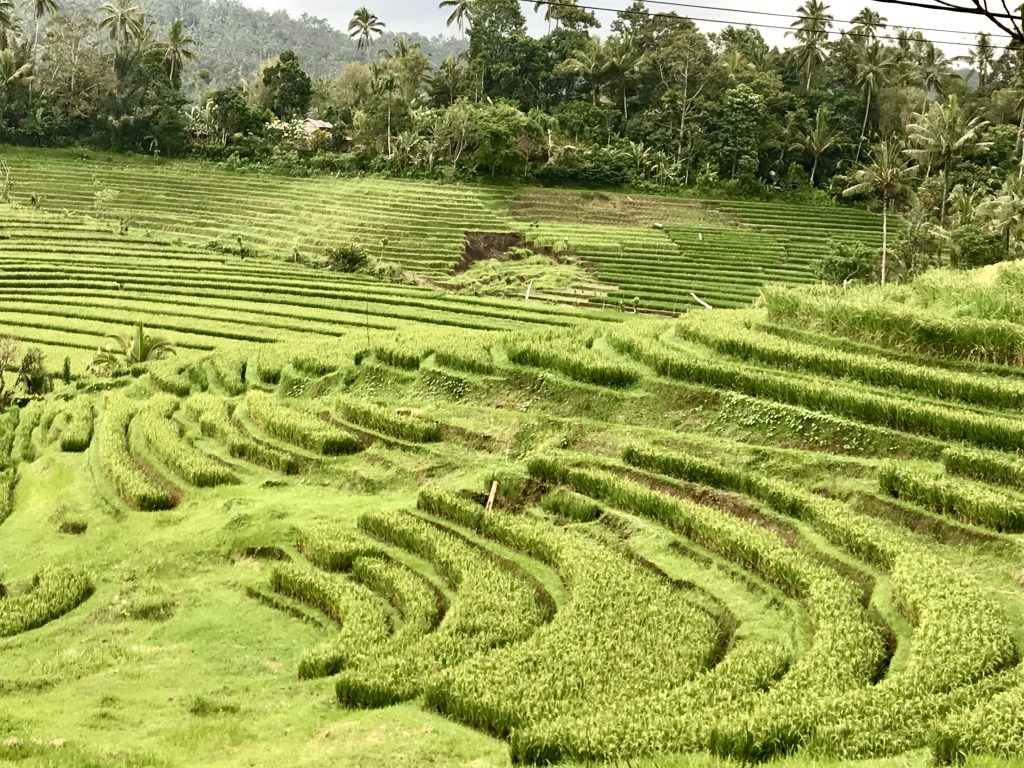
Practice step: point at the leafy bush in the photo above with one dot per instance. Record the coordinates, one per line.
(849, 261)
(8, 480)
(345, 258)
(975, 245)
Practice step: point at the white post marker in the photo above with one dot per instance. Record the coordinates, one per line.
(490, 498)
(529, 289)
(700, 301)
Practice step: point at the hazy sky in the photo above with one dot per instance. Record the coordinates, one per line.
(424, 16)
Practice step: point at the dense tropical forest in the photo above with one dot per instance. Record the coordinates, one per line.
(871, 113)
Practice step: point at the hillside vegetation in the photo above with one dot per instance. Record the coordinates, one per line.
(788, 532)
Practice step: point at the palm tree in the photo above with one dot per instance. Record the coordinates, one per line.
(886, 174)
(6, 14)
(462, 13)
(1006, 211)
(866, 25)
(122, 20)
(936, 72)
(734, 62)
(942, 137)
(811, 33)
(363, 27)
(385, 84)
(872, 73)
(622, 57)
(982, 58)
(448, 78)
(553, 12)
(42, 8)
(177, 48)
(818, 140)
(964, 204)
(591, 63)
(131, 348)
(12, 70)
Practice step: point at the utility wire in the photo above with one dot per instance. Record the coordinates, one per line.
(950, 8)
(775, 14)
(1008, 22)
(675, 17)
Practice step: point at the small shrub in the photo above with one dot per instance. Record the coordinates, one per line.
(200, 706)
(345, 258)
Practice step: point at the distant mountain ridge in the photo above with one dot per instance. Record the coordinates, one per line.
(233, 40)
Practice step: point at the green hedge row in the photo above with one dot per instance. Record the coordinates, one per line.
(215, 420)
(299, 427)
(569, 353)
(388, 421)
(132, 483)
(843, 400)
(8, 481)
(890, 324)
(987, 466)
(616, 640)
(492, 606)
(77, 433)
(767, 350)
(961, 635)
(170, 376)
(967, 500)
(994, 728)
(54, 593)
(164, 439)
(365, 624)
(847, 646)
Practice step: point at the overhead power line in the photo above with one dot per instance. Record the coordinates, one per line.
(775, 14)
(951, 8)
(739, 23)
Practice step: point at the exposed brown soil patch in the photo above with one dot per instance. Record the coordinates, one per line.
(500, 246)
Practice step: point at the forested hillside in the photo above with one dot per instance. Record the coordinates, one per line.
(232, 40)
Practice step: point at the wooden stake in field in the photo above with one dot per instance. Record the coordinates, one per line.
(529, 289)
(491, 495)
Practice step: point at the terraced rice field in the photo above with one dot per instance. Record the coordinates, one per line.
(653, 252)
(431, 530)
(662, 251)
(66, 282)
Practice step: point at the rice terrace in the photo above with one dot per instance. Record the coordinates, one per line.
(589, 388)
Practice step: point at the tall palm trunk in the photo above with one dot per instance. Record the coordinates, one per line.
(814, 170)
(389, 128)
(864, 126)
(885, 237)
(945, 191)
(1020, 140)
